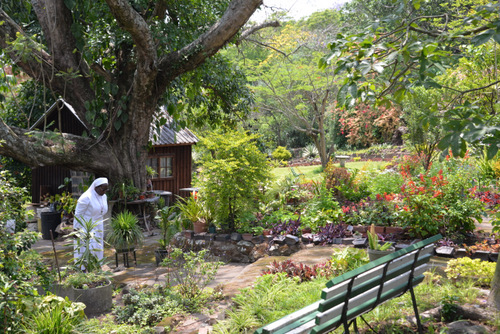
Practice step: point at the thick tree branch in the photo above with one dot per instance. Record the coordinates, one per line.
(37, 148)
(192, 55)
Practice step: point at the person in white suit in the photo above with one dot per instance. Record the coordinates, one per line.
(93, 205)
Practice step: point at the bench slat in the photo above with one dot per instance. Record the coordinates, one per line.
(373, 264)
(362, 309)
(333, 299)
(291, 318)
(369, 295)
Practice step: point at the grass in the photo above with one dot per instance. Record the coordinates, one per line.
(315, 172)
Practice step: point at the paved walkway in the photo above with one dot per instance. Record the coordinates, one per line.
(232, 275)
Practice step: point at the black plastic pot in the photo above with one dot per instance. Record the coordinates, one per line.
(50, 221)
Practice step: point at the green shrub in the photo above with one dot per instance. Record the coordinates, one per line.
(479, 272)
(54, 314)
(475, 270)
(387, 181)
(281, 154)
(192, 272)
(147, 307)
(233, 173)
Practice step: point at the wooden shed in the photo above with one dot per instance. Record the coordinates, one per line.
(170, 155)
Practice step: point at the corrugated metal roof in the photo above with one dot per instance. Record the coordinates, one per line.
(171, 134)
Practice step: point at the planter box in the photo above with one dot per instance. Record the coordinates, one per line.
(493, 256)
(360, 228)
(461, 252)
(347, 241)
(445, 251)
(360, 242)
(375, 254)
(393, 230)
(482, 255)
(97, 300)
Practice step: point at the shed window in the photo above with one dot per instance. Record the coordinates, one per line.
(162, 165)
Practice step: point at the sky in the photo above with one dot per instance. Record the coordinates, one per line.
(296, 8)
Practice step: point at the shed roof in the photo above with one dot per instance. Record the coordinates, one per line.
(172, 134)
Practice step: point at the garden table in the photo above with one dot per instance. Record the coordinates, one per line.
(141, 203)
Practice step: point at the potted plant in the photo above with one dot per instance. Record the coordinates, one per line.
(125, 233)
(169, 224)
(375, 249)
(89, 284)
(194, 211)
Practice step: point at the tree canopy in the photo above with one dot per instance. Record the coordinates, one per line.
(410, 44)
(116, 62)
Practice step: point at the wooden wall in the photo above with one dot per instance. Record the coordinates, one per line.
(181, 168)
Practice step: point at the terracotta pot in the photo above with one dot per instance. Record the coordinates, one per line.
(200, 227)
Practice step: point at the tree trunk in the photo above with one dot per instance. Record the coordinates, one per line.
(494, 296)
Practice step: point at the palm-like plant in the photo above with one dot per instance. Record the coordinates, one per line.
(373, 240)
(84, 238)
(169, 225)
(193, 209)
(125, 231)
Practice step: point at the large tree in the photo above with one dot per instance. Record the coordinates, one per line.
(115, 62)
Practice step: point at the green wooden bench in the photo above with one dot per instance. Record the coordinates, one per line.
(359, 291)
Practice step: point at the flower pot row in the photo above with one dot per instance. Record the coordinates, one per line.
(448, 251)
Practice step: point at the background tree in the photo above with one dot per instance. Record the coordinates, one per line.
(287, 81)
(116, 62)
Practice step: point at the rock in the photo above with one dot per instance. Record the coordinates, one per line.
(291, 239)
(222, 237)
(245, 247)
(307, 238)
(235, 236)
(279, 239)
(465, 327)
(258, 252)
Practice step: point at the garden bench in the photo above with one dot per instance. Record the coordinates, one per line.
(352, 294)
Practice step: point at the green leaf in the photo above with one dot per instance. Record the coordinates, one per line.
(117, 125)
(399, 95)
(491, 152)
(483, 38)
